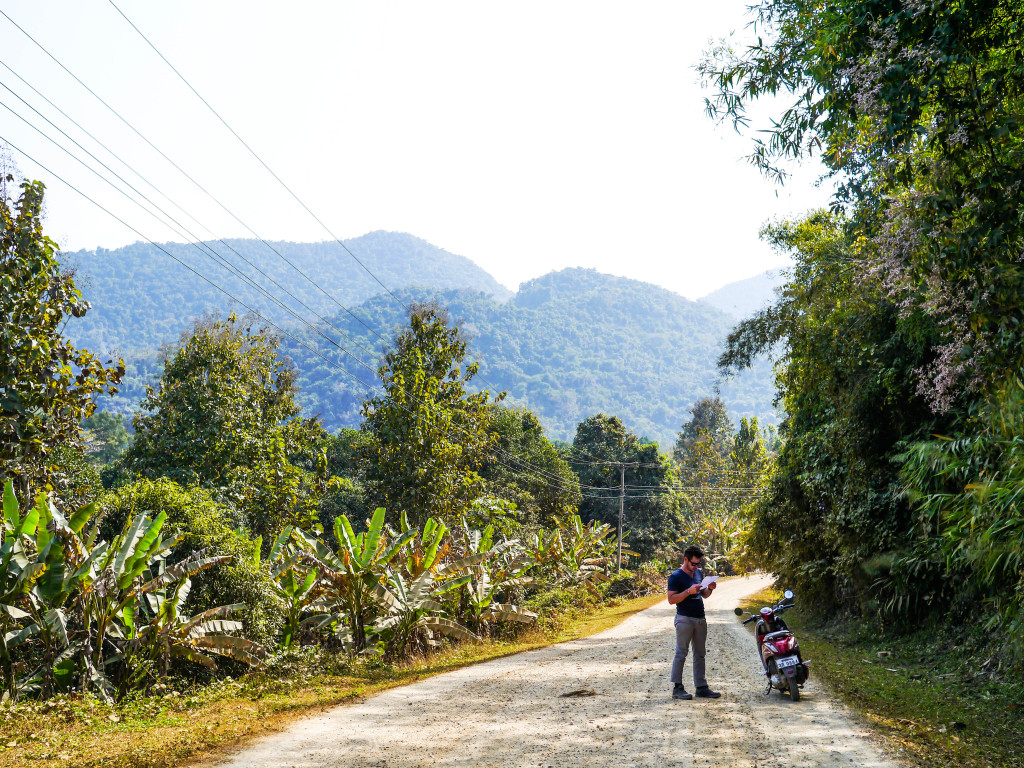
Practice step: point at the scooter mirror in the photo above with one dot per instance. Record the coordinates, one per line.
(738, 611)
(788, 594)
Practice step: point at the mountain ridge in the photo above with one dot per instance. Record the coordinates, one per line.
(567, 344)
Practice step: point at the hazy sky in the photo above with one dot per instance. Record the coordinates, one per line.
(527, 136)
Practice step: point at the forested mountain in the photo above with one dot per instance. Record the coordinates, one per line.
(743, 298)
(567, 345)
(142, 298)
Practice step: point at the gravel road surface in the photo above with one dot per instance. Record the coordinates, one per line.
(516, 712)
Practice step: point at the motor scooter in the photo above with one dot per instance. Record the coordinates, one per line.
(778, 649)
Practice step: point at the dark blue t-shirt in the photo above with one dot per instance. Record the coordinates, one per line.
(679, 581)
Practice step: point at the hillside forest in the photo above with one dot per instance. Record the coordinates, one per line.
(566, 345)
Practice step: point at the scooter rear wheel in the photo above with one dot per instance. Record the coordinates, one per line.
(794, 689)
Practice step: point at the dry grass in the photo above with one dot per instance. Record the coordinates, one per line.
(175, 730)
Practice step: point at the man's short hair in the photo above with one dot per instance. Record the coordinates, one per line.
(692, 552)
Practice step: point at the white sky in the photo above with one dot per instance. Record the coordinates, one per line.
(527, 136)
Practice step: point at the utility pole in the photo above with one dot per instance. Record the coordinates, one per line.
(622, 502)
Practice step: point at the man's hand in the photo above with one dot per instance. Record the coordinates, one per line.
(712, 585)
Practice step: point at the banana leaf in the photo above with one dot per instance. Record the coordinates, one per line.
(510, 612)
(185, 652)
(449, 627)
(188, 567)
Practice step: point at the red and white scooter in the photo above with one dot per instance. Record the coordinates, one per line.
(780, 656)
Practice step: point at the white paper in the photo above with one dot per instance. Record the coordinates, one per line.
(707, 581)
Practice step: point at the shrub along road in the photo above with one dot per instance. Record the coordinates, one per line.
(599, 701)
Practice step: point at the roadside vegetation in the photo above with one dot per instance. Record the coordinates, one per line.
(937, 695)
(898, 338)
(190, 722)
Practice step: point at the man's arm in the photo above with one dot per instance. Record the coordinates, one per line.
(678, 597)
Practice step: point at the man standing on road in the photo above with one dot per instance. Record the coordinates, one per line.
(686, 594)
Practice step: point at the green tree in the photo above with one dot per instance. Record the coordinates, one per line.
(749, 456)
(429, 437)
(651, 513)
(719, 492)
(709, 418)
(47, 386)
(224, 417)
(834, 511)
(536, 478)
(918, 107)
(105, 437)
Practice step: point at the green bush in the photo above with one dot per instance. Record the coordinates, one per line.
(648, 579)
(556, 607)
(76, 482)
(205, 524)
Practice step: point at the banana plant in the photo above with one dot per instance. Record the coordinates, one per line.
(587, 552)
(63, 561)
(167, 633)
(416, 610)
(294, 583)
(427, 548)
(19, 572)
(353, 580)
(495, 570)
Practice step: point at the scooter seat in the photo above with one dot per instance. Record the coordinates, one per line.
(774, 635)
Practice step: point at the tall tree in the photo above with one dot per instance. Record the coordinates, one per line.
(429, 436)
(709, 419)
(532, 474)
(651, 508)
(47, 386)
(845, 365)
(224, 417)
(918, 108)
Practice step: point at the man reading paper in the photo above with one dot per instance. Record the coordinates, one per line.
(687, 592)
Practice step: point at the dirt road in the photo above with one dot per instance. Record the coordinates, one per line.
(514, 712)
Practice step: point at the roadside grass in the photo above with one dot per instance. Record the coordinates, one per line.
(194, 727)
(936, 700)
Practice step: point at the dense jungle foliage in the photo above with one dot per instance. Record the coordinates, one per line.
(899, 335)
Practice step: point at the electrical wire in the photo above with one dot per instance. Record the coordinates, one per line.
(184, 173)
(146, 181)
(197, 273)
(188, 235)
(269, 170)
(523, 465)
(255, 155)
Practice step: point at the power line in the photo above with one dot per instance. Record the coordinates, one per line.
(146, 181)
(271, 171)
(560, 485)
(211, 253)
(184, 173)
(255, 155)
